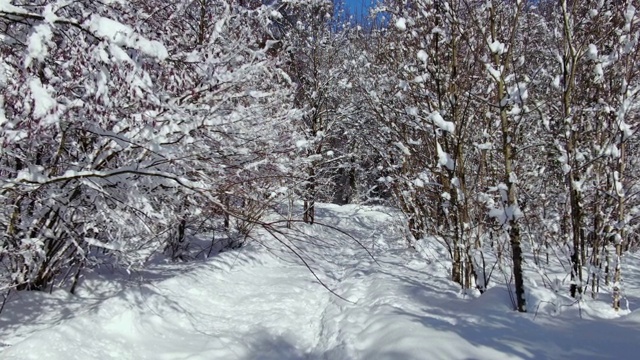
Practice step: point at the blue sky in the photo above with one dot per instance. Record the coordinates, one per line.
(358, 6)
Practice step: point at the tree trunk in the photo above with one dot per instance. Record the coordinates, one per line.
(516, 248)
(309, 214)
(576, 263)
(621, 231)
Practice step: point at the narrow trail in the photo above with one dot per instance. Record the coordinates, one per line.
(262, 303)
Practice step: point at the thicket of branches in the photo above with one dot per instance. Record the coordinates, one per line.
(507, 126)
(123, 124)
(503, 129)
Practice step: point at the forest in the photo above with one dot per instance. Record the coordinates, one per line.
(504, 130)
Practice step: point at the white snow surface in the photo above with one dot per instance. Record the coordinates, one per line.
(261, 302)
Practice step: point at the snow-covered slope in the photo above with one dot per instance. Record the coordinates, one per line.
(261, 302)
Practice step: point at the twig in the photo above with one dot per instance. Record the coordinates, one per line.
(332, 228)
(273, 232)
(5, 298)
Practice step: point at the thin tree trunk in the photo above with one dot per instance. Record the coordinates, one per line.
(202, 28)
(621, 232)
(508, 154)
(576, 268)
(310, 198)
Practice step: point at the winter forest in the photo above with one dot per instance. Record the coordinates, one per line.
(501, 132)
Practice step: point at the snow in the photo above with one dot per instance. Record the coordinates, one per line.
(401, 24)
(623, 110)
(38, 41)
(518, 93)
(3, 116)
(504, 215)
(412, 111)
(49, 14)
(598, 73)
(43, 101)
(613, 151)
(630, 13)
(123, 35)
(405, 150)
(421, 79)
(276, 15)
(441, 123)
(303, 144)
(497, 47)
(422, 56)
(495, 74)
(484, 146)
(592, 52)
(260, 302)
(6, 6)
(119, 55)
(444, 159)
(556, 82)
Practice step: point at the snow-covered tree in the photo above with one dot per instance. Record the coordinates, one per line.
(124, 121)
(316, 47)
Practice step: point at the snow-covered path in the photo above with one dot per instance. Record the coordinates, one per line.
(262, 303)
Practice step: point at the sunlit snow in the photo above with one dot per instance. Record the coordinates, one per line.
(261, 303)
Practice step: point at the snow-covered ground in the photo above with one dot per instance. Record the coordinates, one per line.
(261, 302)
